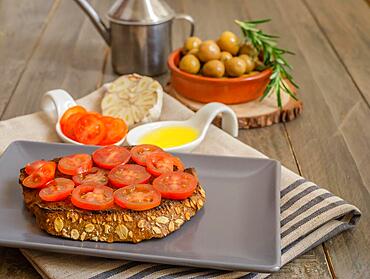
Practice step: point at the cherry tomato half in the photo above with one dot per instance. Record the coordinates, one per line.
(128, 174)
(92, 197)
(161, 162)
(137, 197)
(31, 167)
(110, 156)
(70, 123)
(71, 111)
(140, 152)
(41, 176)
(57, 189)
(175, 185)
(116, 130)
(90, 129)
(75, 164)
(95, 175)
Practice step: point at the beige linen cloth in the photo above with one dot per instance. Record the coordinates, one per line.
(309, 214)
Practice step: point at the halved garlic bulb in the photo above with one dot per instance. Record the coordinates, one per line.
(134, 99)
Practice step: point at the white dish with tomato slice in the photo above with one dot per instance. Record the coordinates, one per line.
(115, 194)
(76, 125)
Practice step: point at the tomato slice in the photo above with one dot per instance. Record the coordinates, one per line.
(110, 156)
(68, 126)
(57, 190)
(71, 111)
(175, 185)
(140, 152)
(137, 197)
(92, 197)
(75, 164)
(90, 129)
(128, 174)
(95, 175)
(159, 163)
(31, 167)
(41, 176)
(116, 130)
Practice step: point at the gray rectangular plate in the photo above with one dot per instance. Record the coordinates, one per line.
(238, 229)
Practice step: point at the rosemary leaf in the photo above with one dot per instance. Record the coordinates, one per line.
(272, 58)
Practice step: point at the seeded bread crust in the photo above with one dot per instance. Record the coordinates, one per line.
(62, 219)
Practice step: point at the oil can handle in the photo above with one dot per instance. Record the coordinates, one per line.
(189, 19)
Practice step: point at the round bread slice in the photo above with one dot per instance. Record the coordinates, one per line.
(63, 219)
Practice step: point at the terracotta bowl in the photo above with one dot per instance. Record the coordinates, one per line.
(224, 90)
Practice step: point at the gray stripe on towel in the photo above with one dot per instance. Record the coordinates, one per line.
(335, 231)
(249, 275)
(150, 270)
(115, 271)
(212, 274)
(310, 217)
(292, 186)
(297, 197)
(305, 207)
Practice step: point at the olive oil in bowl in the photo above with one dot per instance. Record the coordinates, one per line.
(170, 136)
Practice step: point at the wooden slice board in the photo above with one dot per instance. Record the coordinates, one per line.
(254, 114)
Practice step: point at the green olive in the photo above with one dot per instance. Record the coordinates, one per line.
(190, 64)
(191, 43)
(248, 49)
(194, 51)
(249, 62)
(225, 56)
(208, 50)
(235, 67)
(213, 68)
(229, 42)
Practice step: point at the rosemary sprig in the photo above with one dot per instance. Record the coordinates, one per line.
(272, 57)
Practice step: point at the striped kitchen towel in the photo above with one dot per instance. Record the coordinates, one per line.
(309, 214)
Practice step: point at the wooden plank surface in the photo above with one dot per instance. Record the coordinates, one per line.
(17, 43)
(346, 25)
(330, 142)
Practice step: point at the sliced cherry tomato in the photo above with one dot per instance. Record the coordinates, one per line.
(95, 175)
(110, 156)
(116, 130)
(175, 185)
(90, 129)
(57, 190)
(92, 197)
(137, 197)
(68, 126)
(161, 162)
(69, 112)
(128, 174)
(75, 164)
(31, 167)
(140, 152)
(41, 176)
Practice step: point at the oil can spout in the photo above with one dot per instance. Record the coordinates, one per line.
(103, 30)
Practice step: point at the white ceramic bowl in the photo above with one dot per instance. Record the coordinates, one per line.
(54, 103)
(200, 121)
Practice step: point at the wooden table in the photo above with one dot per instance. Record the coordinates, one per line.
(48, 44)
